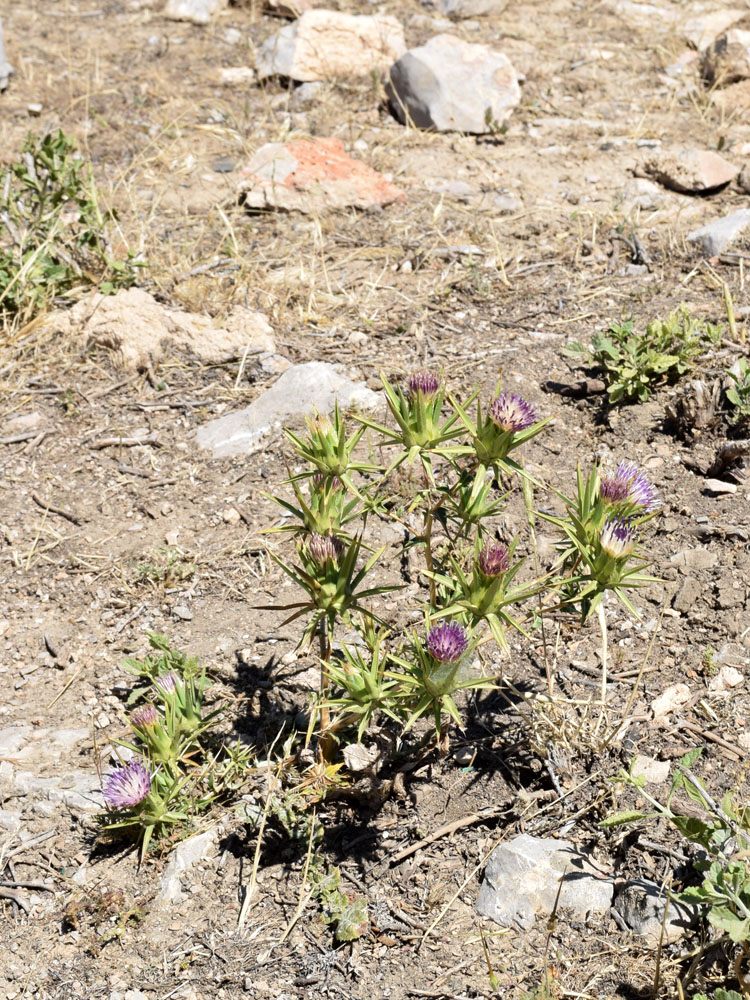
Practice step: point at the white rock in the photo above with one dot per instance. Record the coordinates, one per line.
(670, 700)
(523, 878)
(13, 739)
(359, 758)
(188, 853)
(5, 67)
(195, 11)
(237, 76)
(654, 772)
(717, 235)
(719, 486)
(326, 45)
(703, 29)
(451, 85)
(726, 679)
(300, 390)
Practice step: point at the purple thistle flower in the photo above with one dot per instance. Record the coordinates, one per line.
(629, 483)
(493, 559)
(427, 383)
(447, 642)
(325, 548)
(511, 412)
(144, 717)
(167, 683)
(617, 537)
(127, 786)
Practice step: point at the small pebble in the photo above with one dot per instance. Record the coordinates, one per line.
(180, 611)
(34, 109)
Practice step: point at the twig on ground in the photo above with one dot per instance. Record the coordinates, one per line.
(444, 831)
(73, 518)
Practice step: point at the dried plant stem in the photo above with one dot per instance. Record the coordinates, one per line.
(602, 616)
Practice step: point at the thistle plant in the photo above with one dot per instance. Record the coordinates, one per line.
(435, 670)
(508, 422)
(600, 552)
(421, 431)
(328, 448)
(362, 677)
(328, 572)
(327, 508)
(470, 587)
(487, 594)
(177, 768)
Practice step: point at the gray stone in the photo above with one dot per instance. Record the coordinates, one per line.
(641, 905)
(718, 234)
(688, 595)
(329, 45)
(451, 85)
(188, 853)
(522, 879)
(460, 9)
(10, 819)
(695, 559)
(14, 739)
(76, 789)
(300, 390)
(195, 11)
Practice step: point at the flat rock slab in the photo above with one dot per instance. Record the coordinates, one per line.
(450, 85)
(692, 171)
(299, 391)
(312, 175)
(329, 45)
(717, 235)
(187, 854)
(641, 905)
(140, 331)
(523, 877)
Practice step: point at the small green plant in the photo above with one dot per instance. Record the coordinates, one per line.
(720, 994)
(634, 363)
(348, 917)
(738, 393)
(165, 567)
(175, 769)
(722, 834)
(54, 239)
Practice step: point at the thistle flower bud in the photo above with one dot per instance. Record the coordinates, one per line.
(127, 786)
(629, 484)
(325, 548)
(617, 537)
(321, 481)
(511, 412)
(144, 717)
(447, 642)
(493, 559)
(167, 683)
(427, 383)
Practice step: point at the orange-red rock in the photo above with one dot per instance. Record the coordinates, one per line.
(312, 175)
